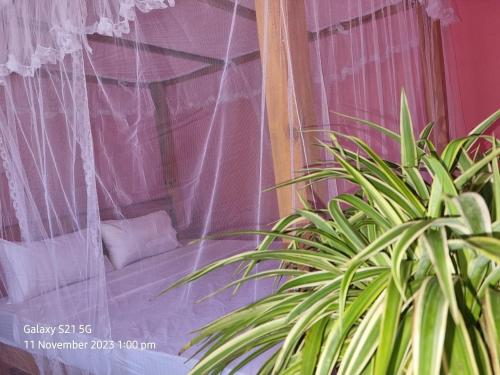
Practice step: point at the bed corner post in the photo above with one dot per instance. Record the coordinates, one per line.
(434, 79)
(163, 121)
(283, 39)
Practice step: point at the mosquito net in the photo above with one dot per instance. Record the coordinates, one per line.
(149, 123)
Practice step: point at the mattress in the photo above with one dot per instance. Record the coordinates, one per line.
(150, 329)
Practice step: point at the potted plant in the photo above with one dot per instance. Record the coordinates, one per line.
(401, 276)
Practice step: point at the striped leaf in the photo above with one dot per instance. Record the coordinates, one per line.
(434, 242)
(491, 313)
(363, 343)
(373, 125)
(312, 347)
(429, 329)
(461, 180)
(402, 345)
(459, 357)
(495, 181)
(370, 190)
(408, 144)
(214, 359)
(389, 329)
(340, 328)
(400, 277)
(488, 246)
(351, 235)
(482, 127)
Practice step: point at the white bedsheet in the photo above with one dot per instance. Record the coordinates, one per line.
(137, 313)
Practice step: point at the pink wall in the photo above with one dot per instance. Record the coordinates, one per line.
(472, 44)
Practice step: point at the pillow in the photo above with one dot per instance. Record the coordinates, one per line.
(29, 267)
(130, 240)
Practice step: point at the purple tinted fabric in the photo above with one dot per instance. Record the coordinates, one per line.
(137, 313)
(123, 113)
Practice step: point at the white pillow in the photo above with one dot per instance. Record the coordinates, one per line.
(33, 268)
(132, 239)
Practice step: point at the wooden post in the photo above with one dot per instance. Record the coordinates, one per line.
(165, 138)
(432, 63)
(283, 40)
(162, 118)
(16, 361)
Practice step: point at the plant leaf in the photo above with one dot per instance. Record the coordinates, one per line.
(481, 128)
(344, 226)
(435, 244)
(496, 186)
(379, 200)
(297, 330)
(364, 207)
(408, 144)
(312, 346)
(389, 329)
(429, 330)
(214, 359)
(474, 212)
(390, 176)
(318, 221)
(461, 180)
(363, 343)
(402, 344)
(459, 355)
(379, 244)
(452, 151)
(340, 328)
(407, 238)
(491, 314)
(442, 185)
(333, 286)
(426, 132)
(373, 125)
(489, 246)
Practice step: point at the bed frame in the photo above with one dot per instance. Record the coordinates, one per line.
(14, 361)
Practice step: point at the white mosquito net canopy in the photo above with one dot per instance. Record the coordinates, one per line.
(179, 115)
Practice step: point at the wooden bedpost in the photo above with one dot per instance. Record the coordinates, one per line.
(283, 40)
(432, 63)
(165, 138)
(162, 119)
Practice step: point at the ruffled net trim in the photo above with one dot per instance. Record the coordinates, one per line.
(442, 10)
(68, 39)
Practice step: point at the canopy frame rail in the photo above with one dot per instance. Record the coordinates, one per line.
(228, 6)
(207, 69)
(381, 13)
(214, 64)
(239, 60)
(251, 14)
(152, 48)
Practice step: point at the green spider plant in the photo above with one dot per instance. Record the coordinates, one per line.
(400, 277)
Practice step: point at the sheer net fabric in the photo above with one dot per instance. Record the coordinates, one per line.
(117, 109)
(41, 32)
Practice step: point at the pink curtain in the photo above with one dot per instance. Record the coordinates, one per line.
(472, 64)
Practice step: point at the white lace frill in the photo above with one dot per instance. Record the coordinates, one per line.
(37, 32)
(442, 10)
